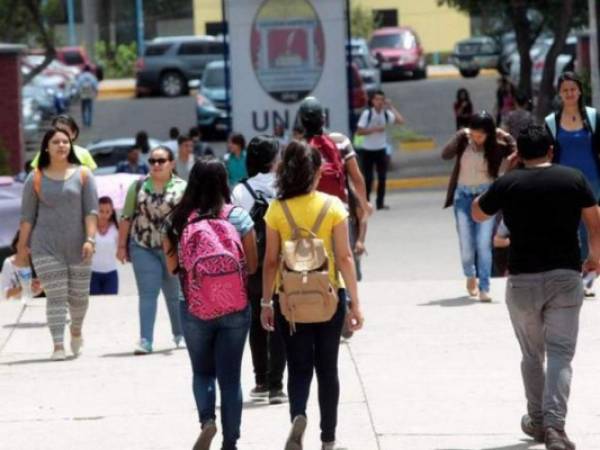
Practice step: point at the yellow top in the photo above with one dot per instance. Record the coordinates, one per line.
(83, 154)
(305, 209)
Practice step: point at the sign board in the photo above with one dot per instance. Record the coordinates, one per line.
(280, 52)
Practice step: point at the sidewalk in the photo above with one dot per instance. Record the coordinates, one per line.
(432, 370)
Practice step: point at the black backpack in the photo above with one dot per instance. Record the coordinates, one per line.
(258, 211)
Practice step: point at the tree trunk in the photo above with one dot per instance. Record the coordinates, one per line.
(547, 91)
(523, 33)
(47, 41)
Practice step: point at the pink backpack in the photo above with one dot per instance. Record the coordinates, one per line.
(213, 266)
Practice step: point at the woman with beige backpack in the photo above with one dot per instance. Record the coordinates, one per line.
(307, 244)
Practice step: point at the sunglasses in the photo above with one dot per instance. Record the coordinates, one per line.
(159, 161)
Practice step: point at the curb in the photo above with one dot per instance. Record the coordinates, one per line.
(456, 74)
(417, 146)
(399, 184)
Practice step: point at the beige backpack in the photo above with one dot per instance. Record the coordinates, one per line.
(306, 294)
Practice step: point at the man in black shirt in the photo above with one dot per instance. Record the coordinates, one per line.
(542, 205)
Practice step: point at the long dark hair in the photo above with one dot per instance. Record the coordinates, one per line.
(571, 76)
(298, 170)
(207, 192)
(261, 153)
(483, 121)
(106, 200)
(45, 155)
(459, 94)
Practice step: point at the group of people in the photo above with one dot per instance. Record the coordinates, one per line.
(540, 192)
(230, 243)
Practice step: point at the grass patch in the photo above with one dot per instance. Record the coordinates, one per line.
(405, 134)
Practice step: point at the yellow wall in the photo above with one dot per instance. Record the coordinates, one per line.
(439, 27)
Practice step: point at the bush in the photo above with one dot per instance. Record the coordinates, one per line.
(4, 167)
(362, 22)
(119, 63)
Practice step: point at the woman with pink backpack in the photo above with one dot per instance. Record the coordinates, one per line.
(212, 246)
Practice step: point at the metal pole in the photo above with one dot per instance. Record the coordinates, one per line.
(594, 62)
(71, 20)
(349, 80)
(225, 31)
(139, 15)
(89, 27)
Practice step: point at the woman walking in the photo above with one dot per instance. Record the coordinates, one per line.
(479, 151)
(212, 245)
(309, 346)
(575, 130)
(59, 218)
(147, 204)
(105, 278)
(463, 108)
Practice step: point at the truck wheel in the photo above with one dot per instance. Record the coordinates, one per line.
(172, 84)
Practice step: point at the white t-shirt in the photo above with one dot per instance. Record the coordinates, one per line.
(105, 258)
(262, 182)
(375, 141)
(8, 277)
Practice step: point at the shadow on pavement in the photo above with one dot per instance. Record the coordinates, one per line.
(451, 302)
(24, 362)
(26, 325)
(166, 352)
(256, 404)
(524, 445)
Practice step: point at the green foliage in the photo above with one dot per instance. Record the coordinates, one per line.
(121, 63)
(405, 134)
(4, 167)
(18, 22)
(362, 22)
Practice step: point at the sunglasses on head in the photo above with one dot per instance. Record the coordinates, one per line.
(160, 161)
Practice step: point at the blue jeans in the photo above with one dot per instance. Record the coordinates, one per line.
(151, 275)
(87, 108)
(475, 239)
(216, 347)
(104, 283)
(583, 236)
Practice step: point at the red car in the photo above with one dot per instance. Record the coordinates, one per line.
(77, 56)
(399, 52)
(360, 99)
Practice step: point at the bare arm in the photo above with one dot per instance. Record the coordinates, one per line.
(270, 263)
(22, 258)
(477, 213)
(122, 251)
(366, 131)
(170, 256)
(91, 226)
(591, 219)
(358, 183)
(398, 119)
(249, 244)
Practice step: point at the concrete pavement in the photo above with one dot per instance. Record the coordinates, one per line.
(432, 370)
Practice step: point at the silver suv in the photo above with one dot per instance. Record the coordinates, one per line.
(171, 64)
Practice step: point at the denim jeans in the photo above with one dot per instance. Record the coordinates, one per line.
(216, 347)
(544, 310)
(151, 275)
(314, 347)
(87, 109)
(475, 239)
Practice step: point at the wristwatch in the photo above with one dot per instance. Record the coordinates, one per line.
(91, 240)
(266, 303)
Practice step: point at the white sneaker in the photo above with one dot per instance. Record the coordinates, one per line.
(76, 344)
(179, 341)
(294, 440)
(58, 355)
(143, 347)
(484, 297)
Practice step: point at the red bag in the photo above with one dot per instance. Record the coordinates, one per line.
(333, 177)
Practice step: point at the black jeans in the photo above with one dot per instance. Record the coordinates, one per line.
(268, 351)
(377, 158)
(314, 346)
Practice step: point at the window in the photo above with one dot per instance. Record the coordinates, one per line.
(215, 48)
(214, 77)
(404, 41)
(385, 17)
(193, 48)
(157, 49)
(73, 58)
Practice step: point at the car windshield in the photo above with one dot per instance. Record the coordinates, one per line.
(360, 61)
(214, 78)
(404, 41)
(73, 58)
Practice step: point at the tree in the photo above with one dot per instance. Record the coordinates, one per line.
(362, 22)
(528, 19)
(30, 22)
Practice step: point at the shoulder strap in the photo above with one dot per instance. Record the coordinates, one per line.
(290, 220)
(551, 124)
(591, 114)
(321, 216)
(369, 115)
(37, 182)
(249, 188)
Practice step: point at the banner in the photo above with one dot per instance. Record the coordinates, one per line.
(280, 52)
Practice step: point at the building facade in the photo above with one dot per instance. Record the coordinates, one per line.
(439, 27)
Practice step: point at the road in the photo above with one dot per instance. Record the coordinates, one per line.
(426, 105)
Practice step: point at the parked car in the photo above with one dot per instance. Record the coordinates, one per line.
(10, 211)
(367, 67)
(32, 120)
(508, 46)
(108, 153)
(476, 53)
(212, 111)
(169, 64)
(78, 57)
(538, 52)
(67, 74)
(43, 98)
(360, 100)
(399, 52)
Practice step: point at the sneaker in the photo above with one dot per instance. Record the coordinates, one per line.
(472, 286)
(557, 440)
(179, 341)
(143, 347)
(259, 391)
(532, 429)
(58, 355)
(484, 297)
(277, 397)
(76, 344)
(588, 293)
(209, 429)
(294, 440)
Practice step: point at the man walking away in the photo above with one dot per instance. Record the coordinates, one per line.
(372, 125)
(133, 163)
(542, 205)
(87, 84)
